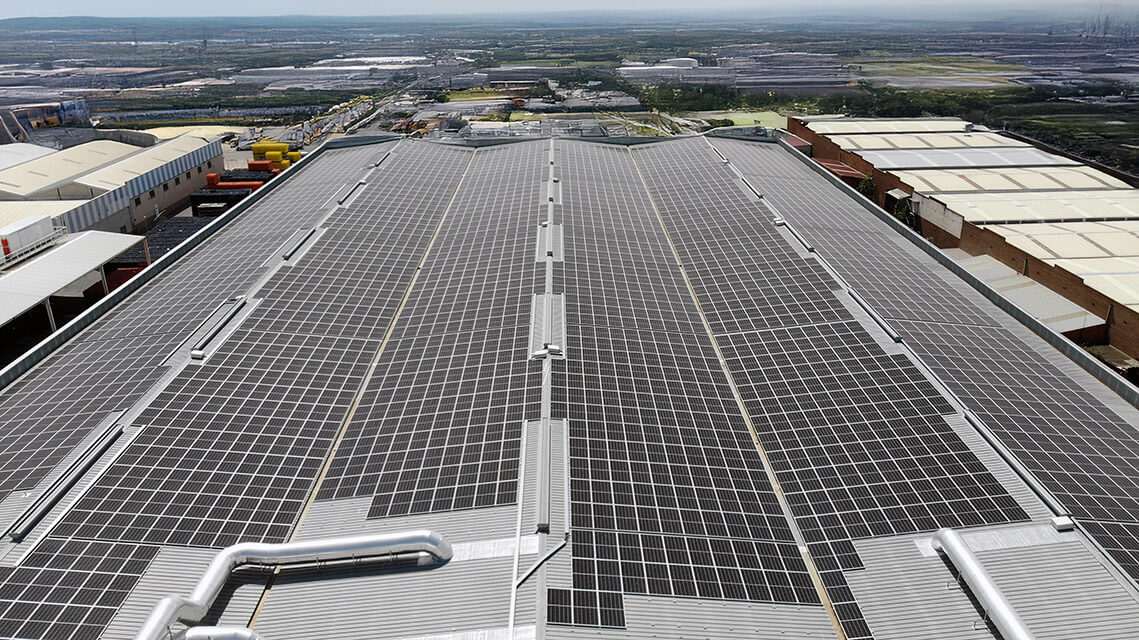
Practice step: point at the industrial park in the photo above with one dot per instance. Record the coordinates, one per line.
(634, 324)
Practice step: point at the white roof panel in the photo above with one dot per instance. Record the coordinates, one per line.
(1009, 179)
(21, 152)
(890, 159)
(34, 281)
(979, 139)
(16, 210)
(119, 173)
(1031, 206)
(885, 125)
(41, 174)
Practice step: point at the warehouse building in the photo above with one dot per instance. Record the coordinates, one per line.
(991, 201)
(111, 185)
(557, 388)
(21, 152)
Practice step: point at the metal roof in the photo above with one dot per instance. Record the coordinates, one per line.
(637, 399)
(893, 159)
(981, 207)
(118, 174)
(20, 152)
(14, 210)
(34, 281)
(952, 140)
(1008, 179)
(850, 126)
(1053, 309)
(32, 177)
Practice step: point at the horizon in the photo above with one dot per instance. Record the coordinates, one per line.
(131, 9)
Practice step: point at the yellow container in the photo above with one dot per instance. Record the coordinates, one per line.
(261, 149)
(294, 156)
(273, 156)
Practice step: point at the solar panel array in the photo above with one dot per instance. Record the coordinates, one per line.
(440, 425)
(1084, 452)
(668, 492)
(855, 435)
(412, 304)
(229, 449)
(52, 408)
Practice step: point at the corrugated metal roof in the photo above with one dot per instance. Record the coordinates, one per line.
(982, 208)
(38, 175)
(924, 141)
(16, 210)
(885, 125)
(1116, 278)
(651, 618)
(21, 152)
(1008, 179)
(30, 284)
(911, 595)
(381, 602)
(1037, 300)
(1074, 239)
(118, 174)
(348, 516)
(890, 159)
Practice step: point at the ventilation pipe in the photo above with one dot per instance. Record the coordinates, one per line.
(220, 633)
(429, 545)
(996, 606)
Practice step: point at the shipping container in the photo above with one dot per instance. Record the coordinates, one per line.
(204, 202)
(247, 184)
(240, 176)
(24, 233)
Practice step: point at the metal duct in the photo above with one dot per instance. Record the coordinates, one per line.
(981, 584)
(191, 610)
(220, 633)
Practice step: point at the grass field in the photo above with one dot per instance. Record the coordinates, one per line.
(743, 118)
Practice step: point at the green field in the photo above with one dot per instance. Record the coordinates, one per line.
(743, 118)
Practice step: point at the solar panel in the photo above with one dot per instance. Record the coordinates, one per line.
(854, 434)
(439, 427)
(668, 493)
(1082, 451)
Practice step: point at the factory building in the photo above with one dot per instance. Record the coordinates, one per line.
(1044, 217)
(110, 185)
(21, 152)
(556, 388)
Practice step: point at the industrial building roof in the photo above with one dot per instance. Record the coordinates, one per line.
(980, 207)
(1104, 254)
(119, 173)
(1008, 179)
(15, 210)
(893, 159)
(20, 152)
(980, 139)
(28, 285)
(629, 397)
(849, 126)
(1118, 239)
(1059, 313)
(35, 176)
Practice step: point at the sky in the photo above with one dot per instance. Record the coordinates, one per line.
(201, 8)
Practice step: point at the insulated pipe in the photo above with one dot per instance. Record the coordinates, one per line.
(996, 606)
(220, 633)
(190, 610)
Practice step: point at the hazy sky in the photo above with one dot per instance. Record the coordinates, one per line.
(199, 8)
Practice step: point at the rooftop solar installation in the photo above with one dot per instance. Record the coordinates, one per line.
(679, 388)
